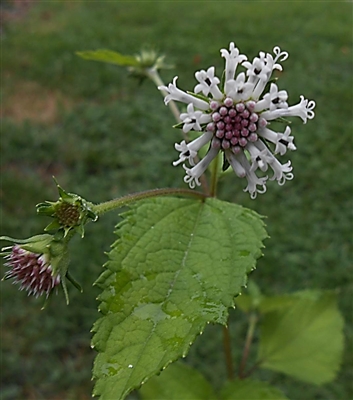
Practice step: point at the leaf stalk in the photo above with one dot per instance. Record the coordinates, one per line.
(153, 74)
(228, 352)
(214, 177)
(253, 318)
(114, 204)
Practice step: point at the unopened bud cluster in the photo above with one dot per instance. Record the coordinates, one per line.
(31, 271)
(40, 263)
(37, 264)
(234, 125)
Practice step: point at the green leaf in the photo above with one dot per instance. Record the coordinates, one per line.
(177, 266)
(244, 303)
(109, 56)
(178, 381)
(273, 303)
(251, 300)
(304, 339)
(251, 390)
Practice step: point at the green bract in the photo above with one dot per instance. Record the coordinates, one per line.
(138, 65)
(177, 265)
(54, 249)
(69, 212)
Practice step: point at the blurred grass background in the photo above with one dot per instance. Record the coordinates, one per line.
(103, 135)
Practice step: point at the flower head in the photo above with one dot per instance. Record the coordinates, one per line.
(146, 63)
(149, 58)
(234, 117)
(38, 264)
(31, 271)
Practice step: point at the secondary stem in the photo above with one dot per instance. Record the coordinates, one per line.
(154, 76)
(248, 340)
(214, 177)
(110, 205)
(228, 352)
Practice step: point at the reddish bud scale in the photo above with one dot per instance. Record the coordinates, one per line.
(31, 271)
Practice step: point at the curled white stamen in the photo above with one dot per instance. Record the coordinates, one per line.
(277, 51)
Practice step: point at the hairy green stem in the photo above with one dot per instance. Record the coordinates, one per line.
(228, 352)
(154, 76)
(248, 340)
(252, 369)
(214, 177)
(111, 205)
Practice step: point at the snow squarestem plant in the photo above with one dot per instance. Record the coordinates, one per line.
(182, 256)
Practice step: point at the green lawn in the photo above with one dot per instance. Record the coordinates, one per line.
(103, 135)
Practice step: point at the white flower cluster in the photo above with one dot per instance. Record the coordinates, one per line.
(234, 118)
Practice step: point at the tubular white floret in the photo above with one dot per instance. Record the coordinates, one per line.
(284, 141)
(304, 110)
(278, 97)
(238, 89)
(261, 69)
(256, 70)
(193, 174)
(273, 99)
(281, 172)
(193, 119)
(268, 134)
(253, 182)
(178, 95)
(188, 151)
(185, 154)
(260, 156)
(235, 164)
(233, 58)
(263, 104)
(208, 83)
(260, 79)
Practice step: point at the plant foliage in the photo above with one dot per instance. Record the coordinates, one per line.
(108, 56)
(307, 342)
(177, 265)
